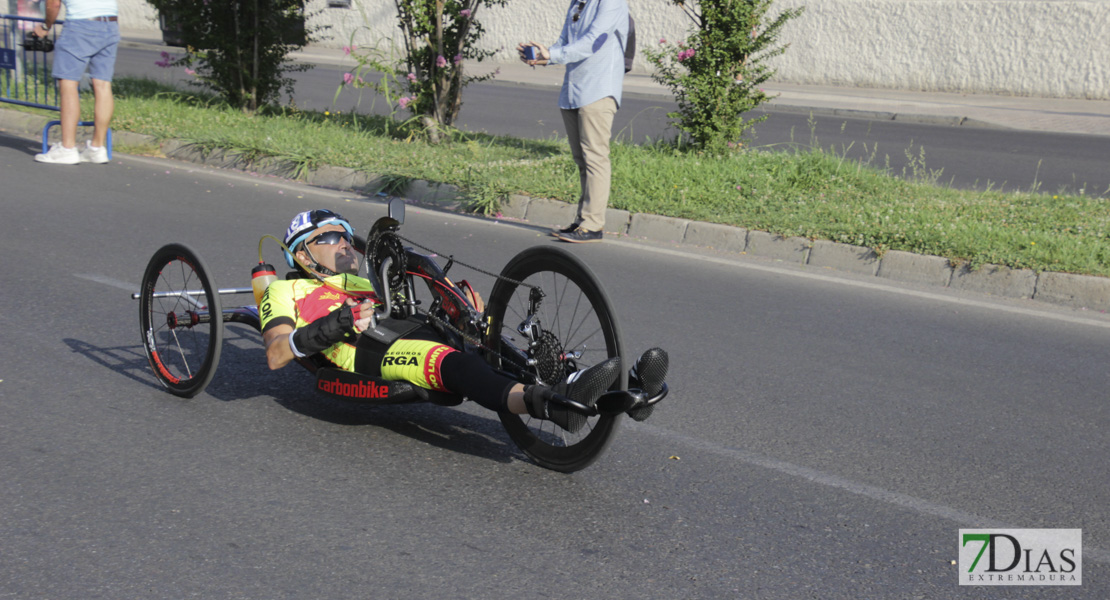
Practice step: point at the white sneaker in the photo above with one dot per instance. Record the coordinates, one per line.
(97, 155)
(60, 155)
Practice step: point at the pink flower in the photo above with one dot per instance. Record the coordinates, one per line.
(349, 49)
(662, 40)
(465, 12)
(411, 77)
(165, 62)
(441, 62)
(685, 54)
(189, 71)
(348, 78)
(404, 101)
(458, 59)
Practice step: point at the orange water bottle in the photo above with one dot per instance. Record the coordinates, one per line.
(261, 278)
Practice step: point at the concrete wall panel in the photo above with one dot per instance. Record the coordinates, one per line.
(1052, 48)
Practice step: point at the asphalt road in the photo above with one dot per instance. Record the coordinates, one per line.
(963, 157)
(826, 436)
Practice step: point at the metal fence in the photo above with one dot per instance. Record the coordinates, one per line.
(24, 72)
(25, 76)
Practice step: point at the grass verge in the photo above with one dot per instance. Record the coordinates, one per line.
(810, 193)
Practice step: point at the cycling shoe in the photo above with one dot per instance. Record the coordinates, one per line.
(648, 374)
(583, 387)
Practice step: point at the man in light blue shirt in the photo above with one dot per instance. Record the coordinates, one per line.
(591, 46)
(88, 41)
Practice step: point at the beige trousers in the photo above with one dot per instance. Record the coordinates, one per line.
(588, 131)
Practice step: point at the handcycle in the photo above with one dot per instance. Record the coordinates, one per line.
(547, 317)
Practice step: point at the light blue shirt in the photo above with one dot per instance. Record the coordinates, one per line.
(87, 9)
(592, 48)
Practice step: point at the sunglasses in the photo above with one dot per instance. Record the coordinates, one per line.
(578, 14)
(330, 238)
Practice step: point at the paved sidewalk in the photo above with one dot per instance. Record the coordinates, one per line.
(1062, 115)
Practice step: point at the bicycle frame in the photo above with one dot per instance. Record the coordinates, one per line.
(450, 304)
(529, 336)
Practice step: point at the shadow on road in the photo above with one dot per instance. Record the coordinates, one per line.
(27, 146)
(242, 374)
(437, 426)
(129, 361)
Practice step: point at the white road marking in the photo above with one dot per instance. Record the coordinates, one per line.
(965, 519)
(123, 285)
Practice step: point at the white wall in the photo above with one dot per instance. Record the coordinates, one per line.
(1056, 48)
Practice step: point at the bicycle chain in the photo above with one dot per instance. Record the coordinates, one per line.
(471, 267)
(473, 340)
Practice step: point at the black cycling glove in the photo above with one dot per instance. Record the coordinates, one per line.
(323, 333)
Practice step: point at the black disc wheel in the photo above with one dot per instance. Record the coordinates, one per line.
(181, 320)
(571, 326)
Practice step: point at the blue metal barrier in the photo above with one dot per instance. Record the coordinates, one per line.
(25, 76)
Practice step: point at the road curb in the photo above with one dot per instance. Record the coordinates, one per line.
(844, 257)
(1064, 289)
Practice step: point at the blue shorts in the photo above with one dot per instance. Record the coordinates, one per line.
(86, 43)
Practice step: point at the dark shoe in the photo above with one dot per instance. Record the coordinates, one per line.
(580, 236)
(648, 374)
(568, 229)
(583, 387)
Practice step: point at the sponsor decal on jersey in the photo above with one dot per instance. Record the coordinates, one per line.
(400, 361)
(361, 389)
(432, 366)
(319, 303)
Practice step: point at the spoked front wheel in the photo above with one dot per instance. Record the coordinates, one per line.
(181, 320)
(549, 316)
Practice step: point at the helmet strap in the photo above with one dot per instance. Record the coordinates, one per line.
(315, 264)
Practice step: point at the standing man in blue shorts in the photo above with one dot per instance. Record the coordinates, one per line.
(88, 41)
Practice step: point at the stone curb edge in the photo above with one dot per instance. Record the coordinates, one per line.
(1064, 289)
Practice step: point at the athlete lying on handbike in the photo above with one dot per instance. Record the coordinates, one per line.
(326, 310)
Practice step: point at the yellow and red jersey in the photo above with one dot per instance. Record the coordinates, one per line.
(298, 302)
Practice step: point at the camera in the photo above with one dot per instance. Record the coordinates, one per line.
(34, 43)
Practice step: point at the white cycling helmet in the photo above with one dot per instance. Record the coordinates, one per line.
(307, 222)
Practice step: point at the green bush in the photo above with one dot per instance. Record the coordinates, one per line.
(438, 36)
(716, 73)
(239, 47)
